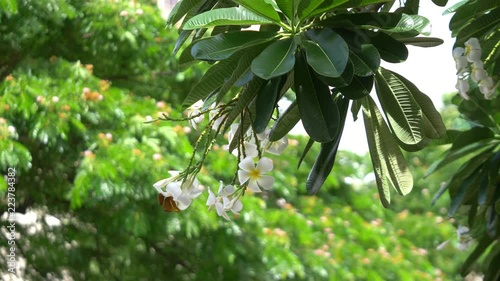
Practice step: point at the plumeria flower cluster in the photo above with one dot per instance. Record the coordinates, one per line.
(469, 65)
(178, 191)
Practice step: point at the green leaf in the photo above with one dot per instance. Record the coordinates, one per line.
(342, 81)
(309, 144)
(241, 71)
(224, 45)
(319, 114)
(388, 162)
(288, 7)
(403, 112)
(225, 16)
(285, 123)
(306, 7)
(246, 96)
(277, 59)
(359, 87)
(453, 8)
(213, 79)
(368, 20)
(259, 7)
(409, 23)
(440, 3)
(365, 61)
(328, 54)
(390, 49)
(478, 26)
(481, 247)
(424, 42)
(471, 136)
(326, 157)
(434, 127)
(181, 9)
(265, 103)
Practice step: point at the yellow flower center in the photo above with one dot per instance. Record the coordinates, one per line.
(255, 174)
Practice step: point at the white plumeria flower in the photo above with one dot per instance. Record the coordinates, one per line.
(164, 182)
(487, 87)
(222, 202)
(463, 87)
(473, 50)
(277, 147)
(255, 174)
(194, 110)
(458, 52)
(249, 148)
(461, 62)
(234, 205)
(213, 112)
(182, 193)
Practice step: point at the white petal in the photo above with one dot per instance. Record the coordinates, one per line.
(232, 131)
(473, 44)
(211, 198)
(252, 185)
(251, 150)
(228, 190)
(279, 146)
(160, 184)
(462, 87)
(247, 164)
(182, 202)
(266, 182)
(474, 56)
(237, 206)
(458, 52)
(243, 176)
(220, 211)
(265, 165)
(226, 203)
(174, 189)
(461, 63)
(479, 74)
(220, 187)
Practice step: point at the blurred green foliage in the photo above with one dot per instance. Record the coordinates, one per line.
(73, 127)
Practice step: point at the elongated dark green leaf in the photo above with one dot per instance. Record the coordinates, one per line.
(342, 81)
(390, 49)
(277, 59)
(246, 96)
(458, 198)
(305, 8)
(481, 247)
(434, 126)
(358, 88)
(356, 106)
(326, 157)
(285, 123)
(331, 58)
(181, 39)
(416, 23)
(288, 7)
(225, 16)
(470, 150)
(365, 61)
(386, 156)
(470, 136)
(241, 71)
(478, 26)
(319, 114)
(440, 3)
(403, 112)
(261, 8)
(380, 20)
(223, 45)
(181, 9)
(424, 42)
(265, 104)
(463, 15)
(213, 79)
(374, 124)
(361, 3)
(309, 144)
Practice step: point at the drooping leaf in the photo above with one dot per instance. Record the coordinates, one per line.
(434, 127)
(409, 23)
(454, 7)
(440, 3)
(277, 59)
(246, 96)
(369, 20)
(330, 54)
(180, 9)
(265, 103)
(390, 49)
(319, 114)
(260, 7)
(474, 134)
(403, 112)
(309, 144)
(288, 7)
(358, 88)
(213, 79)
(225, 16)
(479, 26)
(424, 42)
(285, 123)
(342, 81)
(329, 5)
(305, 8)
(365, 61)
(241, 71)
(223, 45)
(326, 157)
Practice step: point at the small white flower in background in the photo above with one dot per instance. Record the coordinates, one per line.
(249, 148)
(12, 130)
(464, 238)
(149, 118)
(213, 112)
(255, 174)
(193, 111)
(123, 13)
(277, 147)
(473, 50)
(222, 202)
(55, 99)
(463, 87)
(157, 156)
